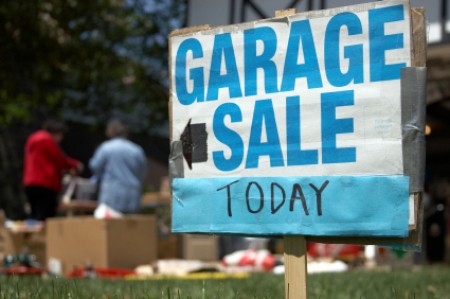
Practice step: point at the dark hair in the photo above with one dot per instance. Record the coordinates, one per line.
(54, 126)
(116, 128)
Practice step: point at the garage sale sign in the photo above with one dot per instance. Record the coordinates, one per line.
(292, 125)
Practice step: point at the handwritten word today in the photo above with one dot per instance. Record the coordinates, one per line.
(292, 205)
(259, 73)
(254, 190)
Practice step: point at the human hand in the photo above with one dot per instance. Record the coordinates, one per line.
(76, 170)
(80, 167)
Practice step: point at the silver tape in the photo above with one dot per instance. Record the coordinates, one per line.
(176, 169)
(413, 93)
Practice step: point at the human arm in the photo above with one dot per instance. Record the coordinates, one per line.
(98, 161)
(60, 159)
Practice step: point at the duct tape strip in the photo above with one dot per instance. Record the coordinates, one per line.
(176, 169)
(194, 140)
(413, 91)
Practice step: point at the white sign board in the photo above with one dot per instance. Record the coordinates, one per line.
(293, 125)
(314, 93)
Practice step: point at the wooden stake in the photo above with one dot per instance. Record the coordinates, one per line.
(295, 277)
(285, 12)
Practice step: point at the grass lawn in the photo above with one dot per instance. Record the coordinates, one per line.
(426, 283)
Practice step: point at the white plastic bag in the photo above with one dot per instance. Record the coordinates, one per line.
(104, 211)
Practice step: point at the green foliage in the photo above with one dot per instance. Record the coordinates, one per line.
(85, 61)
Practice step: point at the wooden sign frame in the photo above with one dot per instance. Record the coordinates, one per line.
(295, 246)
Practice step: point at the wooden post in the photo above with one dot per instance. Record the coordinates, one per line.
(295, 277)
(285, 12)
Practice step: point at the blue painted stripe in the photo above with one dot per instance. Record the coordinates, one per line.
(347, 205)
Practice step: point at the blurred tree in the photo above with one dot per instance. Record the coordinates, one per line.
(84, 62)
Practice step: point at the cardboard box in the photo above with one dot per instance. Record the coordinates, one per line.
(36, 245)
(200, 247)
(17, 243)
(103, 243)
(11, 243)
(169, 247)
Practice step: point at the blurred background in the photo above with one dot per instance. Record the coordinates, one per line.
(85, 62)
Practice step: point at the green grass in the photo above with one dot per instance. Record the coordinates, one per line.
(426, 283)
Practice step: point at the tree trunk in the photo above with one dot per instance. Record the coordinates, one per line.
(12, 197)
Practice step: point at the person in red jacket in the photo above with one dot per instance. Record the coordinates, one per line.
(44, 165)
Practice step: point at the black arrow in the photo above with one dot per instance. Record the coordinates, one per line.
(194, 141)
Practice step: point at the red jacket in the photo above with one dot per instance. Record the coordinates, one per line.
(44, 162)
